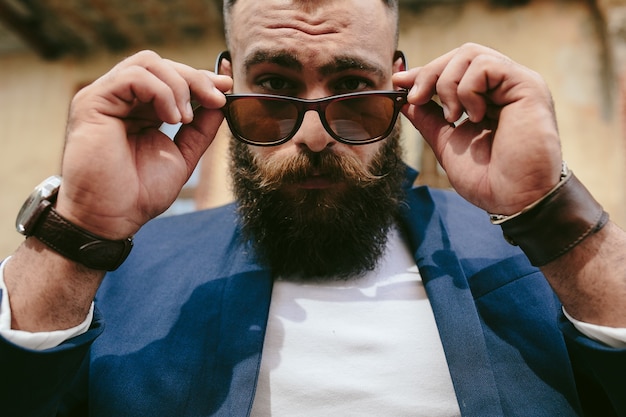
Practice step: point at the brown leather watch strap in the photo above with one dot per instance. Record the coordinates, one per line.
(78, 244)
(559, 222)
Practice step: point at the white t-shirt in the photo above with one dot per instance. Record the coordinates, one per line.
(363, 347)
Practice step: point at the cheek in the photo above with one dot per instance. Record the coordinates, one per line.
(366, 153)
(262, 153)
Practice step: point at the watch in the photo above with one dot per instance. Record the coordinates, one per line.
(39, 219)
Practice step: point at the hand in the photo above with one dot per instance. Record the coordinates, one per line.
(507, 154)
(119, 170)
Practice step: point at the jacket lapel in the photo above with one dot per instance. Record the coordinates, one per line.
(453, 306)
(245, 306)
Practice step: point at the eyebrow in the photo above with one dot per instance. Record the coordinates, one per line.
(280, 58)
(290, 61)
(347, 62)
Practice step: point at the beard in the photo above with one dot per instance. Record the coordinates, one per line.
(309, 234)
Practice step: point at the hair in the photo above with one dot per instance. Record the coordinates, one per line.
(228, 6)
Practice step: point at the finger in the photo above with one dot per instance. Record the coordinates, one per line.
(451, 70)
(425, 79)
(447, 88)
(488, 81)
(193, 139)
(429, 120)
(183, 81)
(211, 86)
(116, 94)
(421, 86)
(205, 87)
(168, 73)
(405, 79)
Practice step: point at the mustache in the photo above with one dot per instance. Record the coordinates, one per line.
(274, 171)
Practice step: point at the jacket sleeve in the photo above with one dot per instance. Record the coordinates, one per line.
(36, 383)
(600, 373)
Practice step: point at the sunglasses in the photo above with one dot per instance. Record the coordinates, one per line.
(354, 118)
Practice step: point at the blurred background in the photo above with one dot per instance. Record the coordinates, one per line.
(51, 48)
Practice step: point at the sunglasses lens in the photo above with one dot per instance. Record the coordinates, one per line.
(271, 120)
(262, 120)
(359, 119)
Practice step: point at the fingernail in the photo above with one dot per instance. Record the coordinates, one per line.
(189, 110)
(446, 111)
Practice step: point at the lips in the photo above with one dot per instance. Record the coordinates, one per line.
(316, 182)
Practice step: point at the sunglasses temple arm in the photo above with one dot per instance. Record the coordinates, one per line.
(224, 55)
(400, 55)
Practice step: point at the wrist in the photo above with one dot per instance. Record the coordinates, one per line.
(46, 290)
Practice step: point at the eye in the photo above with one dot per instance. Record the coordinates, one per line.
(353, 84)
(275, 84)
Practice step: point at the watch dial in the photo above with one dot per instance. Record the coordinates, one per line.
(42, 197)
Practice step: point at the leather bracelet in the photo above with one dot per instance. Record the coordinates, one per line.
(555, 223)
(80, 245)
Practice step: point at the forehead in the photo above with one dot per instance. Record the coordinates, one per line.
(313, 31)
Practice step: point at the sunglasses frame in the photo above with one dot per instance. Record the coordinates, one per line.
(318, 105)
(399, 98)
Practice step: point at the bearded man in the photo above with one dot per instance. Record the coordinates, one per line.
(331, 286)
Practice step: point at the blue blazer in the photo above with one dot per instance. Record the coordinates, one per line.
(186, 317)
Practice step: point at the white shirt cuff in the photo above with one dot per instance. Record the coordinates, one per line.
(38, 340)
(612, 336)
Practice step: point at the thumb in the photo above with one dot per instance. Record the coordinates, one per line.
(194, 139)
(429, 120)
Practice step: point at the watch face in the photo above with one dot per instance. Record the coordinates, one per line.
(42, 197)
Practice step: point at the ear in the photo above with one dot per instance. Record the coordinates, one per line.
(399, 62)
(223, 64)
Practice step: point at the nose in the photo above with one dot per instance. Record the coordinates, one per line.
(312, 133)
